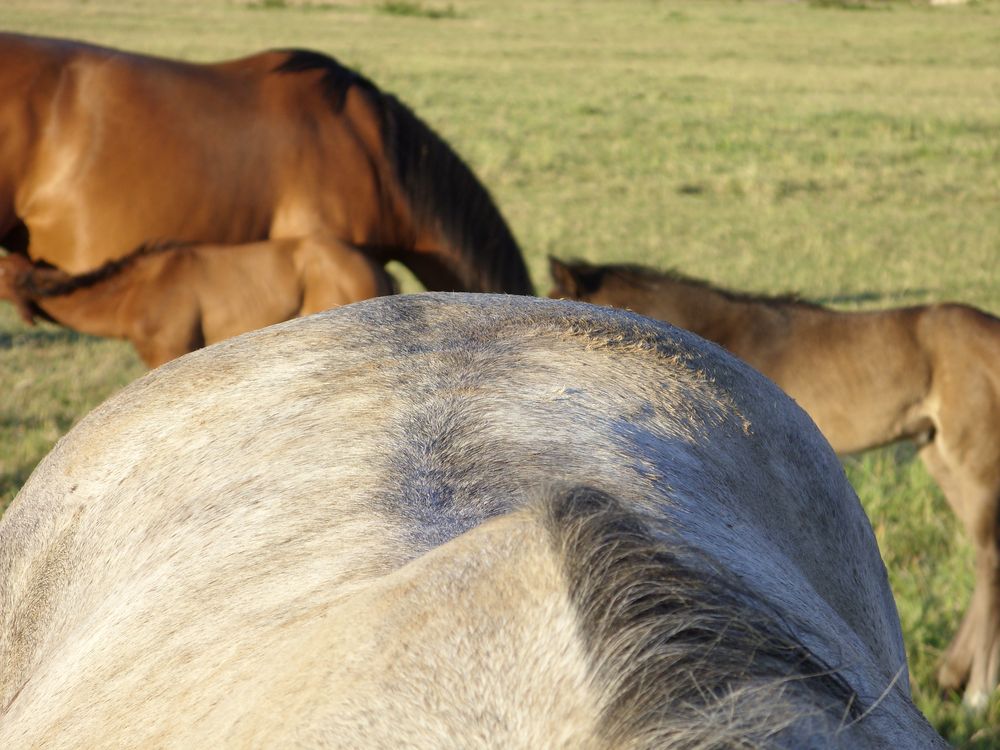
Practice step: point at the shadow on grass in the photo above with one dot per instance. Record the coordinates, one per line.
(852, 4)
(902, 452)
(62, 422)
(40, 337)
(406, 8)
(292, 6)
(885, 298)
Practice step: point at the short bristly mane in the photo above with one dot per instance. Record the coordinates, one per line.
(439, 187)
(650, 278)
(46, 281)
(687, 659)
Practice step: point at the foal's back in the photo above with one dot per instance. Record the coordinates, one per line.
(867, 378)
(169, 300)
(448, 521)
(242, 288)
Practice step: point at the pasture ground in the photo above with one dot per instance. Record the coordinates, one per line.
(845, 149)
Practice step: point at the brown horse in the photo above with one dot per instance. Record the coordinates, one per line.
(105, 151)
(170, 300)
(930, 374)
(449, 521)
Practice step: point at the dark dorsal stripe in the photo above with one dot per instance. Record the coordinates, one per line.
(670, 635)
(593, 276)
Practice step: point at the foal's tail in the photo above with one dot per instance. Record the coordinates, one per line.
(44, 281)
(26, 283)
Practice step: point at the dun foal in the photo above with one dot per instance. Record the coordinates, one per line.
(449, 521)
(930, 374)
(170, 300)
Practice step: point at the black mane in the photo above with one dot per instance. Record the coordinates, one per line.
(440, 189)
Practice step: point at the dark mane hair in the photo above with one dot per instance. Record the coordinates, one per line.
(674, 644)
(47, 281)
(650, 278)
(440, 189)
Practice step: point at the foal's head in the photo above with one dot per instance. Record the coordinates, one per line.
(609, 285)
(575, 280)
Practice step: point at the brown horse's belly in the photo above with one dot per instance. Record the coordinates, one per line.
(78, 235)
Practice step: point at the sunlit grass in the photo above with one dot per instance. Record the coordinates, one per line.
(853, 156)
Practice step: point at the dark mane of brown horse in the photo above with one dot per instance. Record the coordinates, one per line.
(431, 175)
(678, 640)
(649, 278)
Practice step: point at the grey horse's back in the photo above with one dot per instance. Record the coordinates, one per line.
(445, 520)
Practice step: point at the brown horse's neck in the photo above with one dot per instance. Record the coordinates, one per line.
(462, 242)
(464, 259)
(690, 304)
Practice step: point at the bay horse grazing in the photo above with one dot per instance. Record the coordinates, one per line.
(170, 300)
(104, 151)
(449, 521)
(930, 374)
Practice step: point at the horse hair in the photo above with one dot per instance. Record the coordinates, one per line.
(650, 278)
(431, 174)
(675, 643)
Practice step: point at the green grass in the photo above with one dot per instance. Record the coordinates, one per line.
(768, 146)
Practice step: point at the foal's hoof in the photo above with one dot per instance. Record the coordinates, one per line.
(952, 680)
(976, 700)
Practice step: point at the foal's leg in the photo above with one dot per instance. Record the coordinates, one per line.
(957, 662)
(964, 457)
(12, 266)
(167, 327)
(336, 273)
(985, 606)
(973, 658)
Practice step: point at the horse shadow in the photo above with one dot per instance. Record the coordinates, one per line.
(40, 337)
(890, 298)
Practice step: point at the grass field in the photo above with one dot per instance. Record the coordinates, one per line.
(848, 150)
